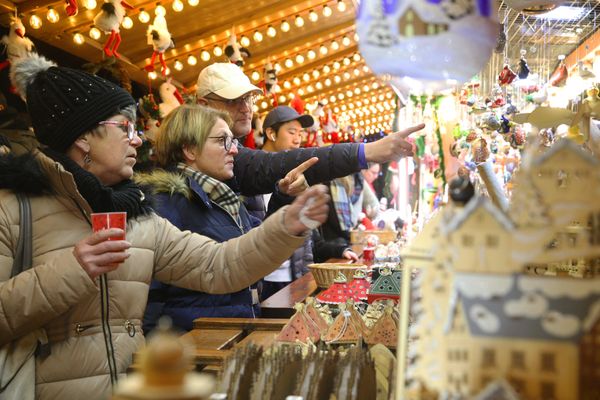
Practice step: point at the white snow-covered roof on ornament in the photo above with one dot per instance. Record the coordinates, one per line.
(527, 307)
(428, 12)
(474, 204)
(565, 145)
(498, 389)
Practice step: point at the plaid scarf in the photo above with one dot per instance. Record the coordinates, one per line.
(341, 203)
(217, 191)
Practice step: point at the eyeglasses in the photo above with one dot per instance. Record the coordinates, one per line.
(227, 141)
(126, 126)
(248, 99)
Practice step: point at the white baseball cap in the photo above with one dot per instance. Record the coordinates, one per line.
(225, 80)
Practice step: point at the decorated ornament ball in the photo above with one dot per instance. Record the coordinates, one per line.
(426, 46)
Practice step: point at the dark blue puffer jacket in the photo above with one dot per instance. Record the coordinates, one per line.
(183, 202)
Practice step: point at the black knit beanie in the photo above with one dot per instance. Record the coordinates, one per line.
(65, 103)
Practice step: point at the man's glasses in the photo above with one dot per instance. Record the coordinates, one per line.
(126, 126)
(227, 141)
(248, 100)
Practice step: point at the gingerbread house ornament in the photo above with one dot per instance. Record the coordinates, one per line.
(314, 315)
(385, 330)
(359, 286)
(343, 330)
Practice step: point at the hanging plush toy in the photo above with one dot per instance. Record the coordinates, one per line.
(171, 98)
(159, 37)
(507, 76)
(109, 20)
(559, 77)
(71, 8)
(523, 67)
(330, 126)
(17, 45)
(235, 52)
(269, 83)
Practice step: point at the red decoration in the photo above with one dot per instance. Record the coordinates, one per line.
(337, 293)
(359, 286)
(507, 76)
(71, 8)
(559, 77)
(297, 104)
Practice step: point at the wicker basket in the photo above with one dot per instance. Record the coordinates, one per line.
(325, 273)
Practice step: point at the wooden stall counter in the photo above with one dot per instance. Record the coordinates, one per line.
(215, 338)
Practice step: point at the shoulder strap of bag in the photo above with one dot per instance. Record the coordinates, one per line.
(23, 255)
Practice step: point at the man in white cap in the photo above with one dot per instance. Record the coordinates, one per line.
(225, 87)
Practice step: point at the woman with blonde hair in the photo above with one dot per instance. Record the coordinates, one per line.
(196, 148)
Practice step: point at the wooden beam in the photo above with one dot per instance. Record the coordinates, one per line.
(8, 5)
(31, 5)
(317, 63)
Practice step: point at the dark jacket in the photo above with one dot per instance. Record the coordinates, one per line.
(183, 202)
(257, 171)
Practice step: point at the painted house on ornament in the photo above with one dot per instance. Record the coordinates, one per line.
(422, 18)
(539, 334)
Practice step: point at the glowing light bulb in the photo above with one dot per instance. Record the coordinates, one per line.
(296, 81)
(319, 85)
(178, 65)
(332, 99)
(365, 68)
(347, 75)
(95, 33)
(337, 79)
(310, 88)
(193, 3)
(144, 17)
(327, 82)
(341, 6)
(258, 36)
(306, 77)
(167, 71)
(301, 92)
(323, 50)
(299, 21)
(336, 65)
(356, 57)
(152, 75)
(299, 58)
(277, 67)
(313, 16)
(264, 105)
(78, 38)
(315, 74)
(205, 55)
(287, 85)
(218, 51)
(285, 26)
(346, 41)
(271, 32)
(160, 11)
(335, 45)
(90, 4)
(127, 23)
(177, 6)
(52, 15)
(327, 11)
(255, 76)
(340, 96)
(35, 22)
(311, 54)
(282, 99)
(291, 96)
(288, 63)
(326, 69)
(244, 41)
(192, 60)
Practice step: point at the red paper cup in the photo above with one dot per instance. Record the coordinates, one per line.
(108, 220)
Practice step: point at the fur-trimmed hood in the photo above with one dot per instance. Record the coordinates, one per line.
(166, 182)
(23, 173)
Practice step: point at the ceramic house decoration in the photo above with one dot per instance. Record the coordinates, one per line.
(384, 287)
(299, 329)
(423, 44)
(343, 330)
(385, 330)
(338, 292)
(359, 286)
(314, 315)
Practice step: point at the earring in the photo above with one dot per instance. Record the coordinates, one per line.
(273, 137)
(87, 159)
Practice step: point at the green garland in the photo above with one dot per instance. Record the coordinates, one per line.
(440, 172)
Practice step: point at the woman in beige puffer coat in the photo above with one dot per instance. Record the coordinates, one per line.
(86, 294)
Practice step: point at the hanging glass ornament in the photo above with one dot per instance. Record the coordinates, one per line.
(523, 67)
(426, 46)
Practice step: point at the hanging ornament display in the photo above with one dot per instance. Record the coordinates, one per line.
(559, 77)
(533, 7)
(235, 52)
(17, 45)
(109, 20)
(426, 45)
(159, 38)
(500, 41)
